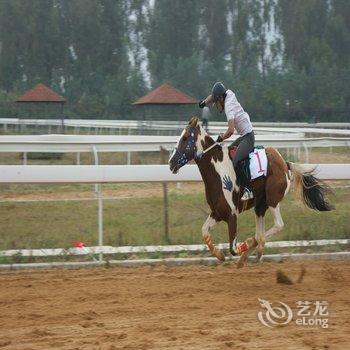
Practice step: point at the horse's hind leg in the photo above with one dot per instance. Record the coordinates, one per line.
(260, 235)
(278, 222)
(207, 226)
(232, 232)
(257, 242)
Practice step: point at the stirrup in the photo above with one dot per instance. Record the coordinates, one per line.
(247, 194)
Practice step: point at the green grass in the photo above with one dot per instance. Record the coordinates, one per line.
(35, 189)
(139, 221)
(86, 158)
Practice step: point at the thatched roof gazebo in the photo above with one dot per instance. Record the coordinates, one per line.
(165, 102)
(41, 103)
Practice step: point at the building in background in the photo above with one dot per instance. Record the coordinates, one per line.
(166, 103)
(40, 103)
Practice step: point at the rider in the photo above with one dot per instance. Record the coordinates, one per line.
(237, 119)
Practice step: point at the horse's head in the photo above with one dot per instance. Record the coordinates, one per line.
(188, 146)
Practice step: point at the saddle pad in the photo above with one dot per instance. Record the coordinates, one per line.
(257, 163)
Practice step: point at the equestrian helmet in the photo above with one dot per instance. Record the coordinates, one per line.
(218, 90)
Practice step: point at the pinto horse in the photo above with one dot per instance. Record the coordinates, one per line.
(223, 194)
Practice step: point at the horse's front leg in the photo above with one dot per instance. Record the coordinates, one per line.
(258, 242)
(246, 248)
(207, 226)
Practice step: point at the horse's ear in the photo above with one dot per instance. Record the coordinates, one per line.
(193, 122)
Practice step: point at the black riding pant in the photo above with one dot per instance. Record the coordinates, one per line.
(244, 144)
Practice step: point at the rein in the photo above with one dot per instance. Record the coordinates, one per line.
(199, 156)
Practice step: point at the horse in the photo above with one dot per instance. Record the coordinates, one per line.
(223, 195)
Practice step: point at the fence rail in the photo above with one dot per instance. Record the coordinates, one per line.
(160, 248)
(130, 173)
(127, 143)
(79, 143)
(141, 125)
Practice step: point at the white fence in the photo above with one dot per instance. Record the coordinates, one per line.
(279, 135)
(84, 143)
(173, 126)
(129, 173)
(159, 248)
(125, 143)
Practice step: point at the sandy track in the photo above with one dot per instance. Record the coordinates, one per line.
(168, 307)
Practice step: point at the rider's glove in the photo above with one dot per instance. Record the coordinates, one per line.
(220, 138)
(201, 104)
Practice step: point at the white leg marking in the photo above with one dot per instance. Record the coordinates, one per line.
(259, 227)
(208, 225)
(278, 222)
(288, 186)
(234, 245)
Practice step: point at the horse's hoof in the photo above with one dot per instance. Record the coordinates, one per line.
(259, 259)
(258, 256)
(219, 255)
(240, 264)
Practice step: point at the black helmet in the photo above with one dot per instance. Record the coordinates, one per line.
(218, 90)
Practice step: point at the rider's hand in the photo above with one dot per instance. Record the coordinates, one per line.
(202, 104)
(220, 138)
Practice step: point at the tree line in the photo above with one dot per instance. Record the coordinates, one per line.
(286, 60)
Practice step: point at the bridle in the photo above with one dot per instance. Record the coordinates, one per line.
(191, 146)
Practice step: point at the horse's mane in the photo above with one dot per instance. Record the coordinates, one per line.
(215, 152)
(208, 140)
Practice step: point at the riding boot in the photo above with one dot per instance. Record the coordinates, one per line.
(243, 182)
(239, 176)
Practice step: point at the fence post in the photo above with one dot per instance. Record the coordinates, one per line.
(98, 190)
(163, 159)
(306, 152)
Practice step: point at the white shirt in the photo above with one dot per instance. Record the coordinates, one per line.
(234, 110)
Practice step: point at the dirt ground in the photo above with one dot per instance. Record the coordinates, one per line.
(162, 307)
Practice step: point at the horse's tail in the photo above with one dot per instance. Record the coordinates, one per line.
(313, 191)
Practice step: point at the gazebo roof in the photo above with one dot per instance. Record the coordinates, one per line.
(165, 94)
(41, 93)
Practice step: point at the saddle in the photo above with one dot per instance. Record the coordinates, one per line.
(255, 165)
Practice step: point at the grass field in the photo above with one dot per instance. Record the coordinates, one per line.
(139, 220)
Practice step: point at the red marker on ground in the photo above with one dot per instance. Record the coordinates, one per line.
(79, 244)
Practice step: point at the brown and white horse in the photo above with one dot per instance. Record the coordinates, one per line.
(223, 195)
